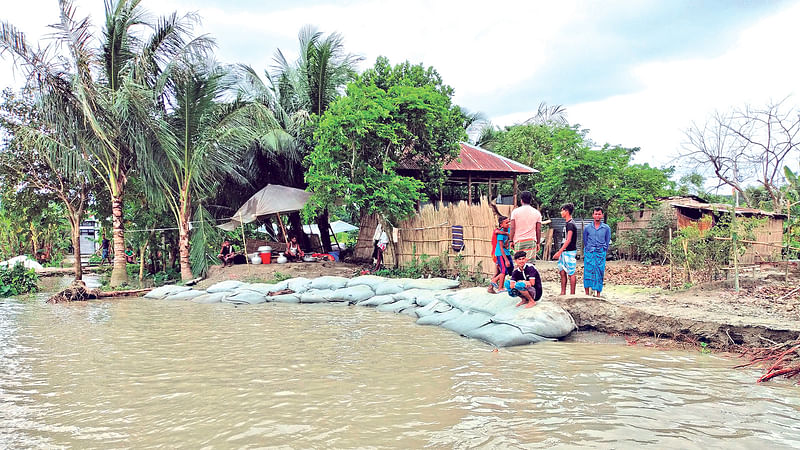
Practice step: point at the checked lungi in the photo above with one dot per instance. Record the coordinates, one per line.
(594, 269)
(568, 262)
(526, 245)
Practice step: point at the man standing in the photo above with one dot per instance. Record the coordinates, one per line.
(596, 238)
(526, 226)
(567, 253)
(104, 245)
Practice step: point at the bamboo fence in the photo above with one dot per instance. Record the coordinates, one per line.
(429, 232)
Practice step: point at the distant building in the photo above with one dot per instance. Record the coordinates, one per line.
(90, 236)
(690, 210)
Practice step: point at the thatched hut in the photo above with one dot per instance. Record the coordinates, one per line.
(690, 210)
(430, 231)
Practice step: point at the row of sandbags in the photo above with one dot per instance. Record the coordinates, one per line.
(471, 312)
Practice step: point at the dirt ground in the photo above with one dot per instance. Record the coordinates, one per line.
(635, 303)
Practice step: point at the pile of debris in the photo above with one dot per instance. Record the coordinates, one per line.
(778, 359)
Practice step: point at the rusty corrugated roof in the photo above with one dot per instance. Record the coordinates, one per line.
(476, 159)
(722, 207)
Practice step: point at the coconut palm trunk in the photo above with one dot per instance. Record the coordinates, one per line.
(119, 273)
(183, 235)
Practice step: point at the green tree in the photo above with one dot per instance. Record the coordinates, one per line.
(363, 134)
(116, 86)
(40, 158)
(571, 171)
(203, 141)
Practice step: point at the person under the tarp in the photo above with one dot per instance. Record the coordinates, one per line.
(226, 254)
(130, 257)
(293, 250)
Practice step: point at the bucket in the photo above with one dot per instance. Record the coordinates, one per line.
(335, 255)
(266, 258)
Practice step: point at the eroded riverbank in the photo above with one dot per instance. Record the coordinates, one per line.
(709, 314)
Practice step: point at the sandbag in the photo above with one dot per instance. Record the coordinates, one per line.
(389, 287)
(477, 299)
(377, 300)
(419, 296)
(395, 307)
(433, 296)
(223, 286)
(546, 319)
(262, 288)
(502, 335)
(329, 282)
(185, 295)
(353, 294)
(281, 285)
(436, 306)
(284, 298)
(366, 280)
(316, 296)
(411, 311)
(439, 318)
(298, 285)
(245, 297)
(163, 291)
(434, 284)
(214, 297)
(467, 321)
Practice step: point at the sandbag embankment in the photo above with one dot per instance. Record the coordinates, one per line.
(472, 312)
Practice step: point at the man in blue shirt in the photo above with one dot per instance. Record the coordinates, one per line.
(596, 238)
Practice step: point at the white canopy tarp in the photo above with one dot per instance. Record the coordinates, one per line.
(338, 226)
(272, 199)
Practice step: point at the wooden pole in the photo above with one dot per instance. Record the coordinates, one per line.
(490, 189)
(330, 228)
(735, 249)
(669, 246)
(285, 238)
(516, 187)
(469, 189)
(244, 241)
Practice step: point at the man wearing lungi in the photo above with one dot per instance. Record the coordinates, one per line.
(596, 238)
(526, 226)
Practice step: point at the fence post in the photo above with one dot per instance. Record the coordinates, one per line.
(735, 250)
(669, 249)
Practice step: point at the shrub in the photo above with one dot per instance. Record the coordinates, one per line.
(703, 252)
(17, 280)
(649, 245)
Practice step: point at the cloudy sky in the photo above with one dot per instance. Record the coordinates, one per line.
(634, 72)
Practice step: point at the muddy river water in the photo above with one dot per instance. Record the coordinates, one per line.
(147, 373)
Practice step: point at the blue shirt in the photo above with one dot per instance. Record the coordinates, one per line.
(501, 239)
(596, 239)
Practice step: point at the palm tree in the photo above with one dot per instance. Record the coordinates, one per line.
(309, 85)
(202, 140)
(556, 114)
(116, 86)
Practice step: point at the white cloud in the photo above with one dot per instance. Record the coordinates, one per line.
(487, 52)
(759, 68)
